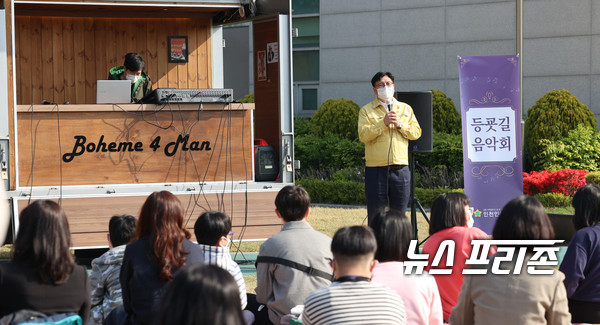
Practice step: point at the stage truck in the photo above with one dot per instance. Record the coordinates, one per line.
(63, 137)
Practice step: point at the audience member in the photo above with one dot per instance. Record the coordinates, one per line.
(450, 219)
(201, 295)
(581, 264)
(352, 298)
(213, 233)
(161, 249)
(106, 286)
(42, 275)
(521, 298)
(292, 263)
(393, 232)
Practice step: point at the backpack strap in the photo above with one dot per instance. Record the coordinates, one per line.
(294, 265)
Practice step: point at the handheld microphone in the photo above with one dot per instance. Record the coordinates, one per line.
(388, 104)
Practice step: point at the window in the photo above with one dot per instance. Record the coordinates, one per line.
(301, 7)
(308, 32)
(306, 66)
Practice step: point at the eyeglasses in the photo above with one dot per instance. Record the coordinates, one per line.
(471, 210)
(383, 84)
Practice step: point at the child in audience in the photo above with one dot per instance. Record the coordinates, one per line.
(581, 264)
(518, 297)
(393, 232)
(105, 284)
(201, 295)
(213, 233)
(451, 218)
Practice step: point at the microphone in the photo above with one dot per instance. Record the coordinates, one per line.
(388, 104)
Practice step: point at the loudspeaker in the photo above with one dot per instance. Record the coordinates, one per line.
(266, 163)
(422, 105)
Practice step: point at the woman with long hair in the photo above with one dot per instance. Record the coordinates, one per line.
(517, 297)
(451, 219)
(201, 295)
(162, 247)
(393, 233)
(581, 264)
(42, 274)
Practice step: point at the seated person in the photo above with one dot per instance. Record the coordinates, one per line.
(42, 275)
(451, 218)
(581, 264)
(133, 69)
(393, 232)
(518, 297)
(213, 233)
(106, 287)
(201, 295)
(281, 285)
(352, 298)
(162, 247)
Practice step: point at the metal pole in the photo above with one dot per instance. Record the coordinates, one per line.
(519, 47)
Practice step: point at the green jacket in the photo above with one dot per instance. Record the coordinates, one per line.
(141, 88)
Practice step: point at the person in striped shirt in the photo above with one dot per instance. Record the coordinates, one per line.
(213, 233)
(352, 298)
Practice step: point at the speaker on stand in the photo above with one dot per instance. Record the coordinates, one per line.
(422, 105)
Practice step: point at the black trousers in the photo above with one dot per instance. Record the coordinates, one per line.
(383, 182)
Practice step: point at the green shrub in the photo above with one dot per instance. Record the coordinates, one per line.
(438, 176)
(328, 152)
(593, 178)
(446, 118)
(337, 116)
(552, 117)
(302, 126)
(249, 98)
(555, 200)
(447, 151)
(427, 195)
(334, 191)
(579, 149)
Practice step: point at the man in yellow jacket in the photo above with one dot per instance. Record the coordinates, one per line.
(385, 125)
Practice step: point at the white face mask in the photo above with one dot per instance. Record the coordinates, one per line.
(386, 92)
(470, 222)
(132, 77)
(228, 241)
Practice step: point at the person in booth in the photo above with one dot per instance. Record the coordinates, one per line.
(385, 125)
(133, 69)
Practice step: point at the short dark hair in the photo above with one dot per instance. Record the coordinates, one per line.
(121, 229)
(211, 226)
(134, 62)
(587, 206)
(44, 240)
(393, 232)
(292, 202)
(201, 294)
(380, 75)
(447, 211)
(352, 243)
(523, 218)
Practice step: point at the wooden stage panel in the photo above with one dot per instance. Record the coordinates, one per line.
(89, 216)
(153, 144)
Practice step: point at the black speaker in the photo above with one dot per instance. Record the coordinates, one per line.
(266, 163)
(422, 105)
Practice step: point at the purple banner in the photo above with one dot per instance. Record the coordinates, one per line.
(491, 123)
